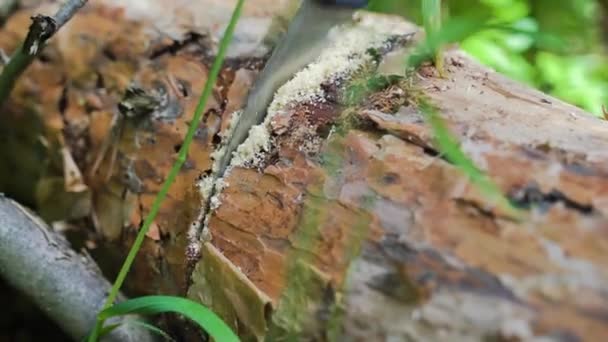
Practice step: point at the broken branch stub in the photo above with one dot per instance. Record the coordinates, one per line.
(41, 30)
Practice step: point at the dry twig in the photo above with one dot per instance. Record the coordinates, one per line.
(42, 29)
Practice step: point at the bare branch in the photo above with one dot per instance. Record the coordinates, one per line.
(66, 285)
(42, 28)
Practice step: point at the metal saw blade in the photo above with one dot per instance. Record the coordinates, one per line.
(302, 44)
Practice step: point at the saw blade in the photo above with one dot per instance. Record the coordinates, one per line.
(302, 44)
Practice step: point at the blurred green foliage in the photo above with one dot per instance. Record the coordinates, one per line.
(553, 45)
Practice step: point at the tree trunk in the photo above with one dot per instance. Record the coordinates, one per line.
(342, 220)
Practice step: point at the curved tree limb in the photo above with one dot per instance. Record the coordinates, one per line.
(66, 285)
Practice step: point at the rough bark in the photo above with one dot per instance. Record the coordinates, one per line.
(347, 223)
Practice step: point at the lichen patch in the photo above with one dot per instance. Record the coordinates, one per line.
(348, 52)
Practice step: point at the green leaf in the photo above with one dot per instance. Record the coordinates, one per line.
(456, 29)
(150, 305)
(453, 30)
(500, 58)
(576, 79)
(108, 329)
(388, 6)
(508, 10)
(111, 327)
(520, 41)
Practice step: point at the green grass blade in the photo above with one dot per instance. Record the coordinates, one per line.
(457, 29)
(431, 19)
(542, 40)
(108, 329)
(183, 153)
(438, 35)
(151, 305)
(451, 31)
(431, 16)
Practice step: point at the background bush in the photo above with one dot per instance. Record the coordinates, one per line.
(559, 48)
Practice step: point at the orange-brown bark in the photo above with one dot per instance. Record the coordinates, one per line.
(365, 221)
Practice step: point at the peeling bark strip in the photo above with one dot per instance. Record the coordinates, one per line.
(42, 29)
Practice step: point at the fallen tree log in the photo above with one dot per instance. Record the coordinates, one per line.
(340, 218)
